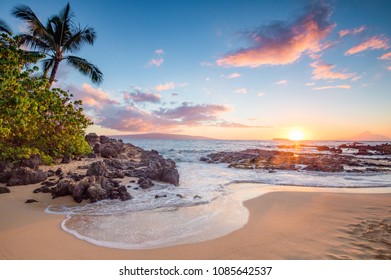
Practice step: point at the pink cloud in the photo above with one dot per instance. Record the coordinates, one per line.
(166, 86)
(354, 31)
(131, 118)
(322, 71)
(140, 97)
(169, 86)
(389, 68)
(238, 125)
(333, 87)
(92, 97)
(281, 43)
(156, 62)
(282, 83)
(241, 91)
(190, 114)
(234, 76)
(386, 56)
(110, 113)
(373, 43)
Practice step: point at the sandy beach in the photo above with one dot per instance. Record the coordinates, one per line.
(282, 225)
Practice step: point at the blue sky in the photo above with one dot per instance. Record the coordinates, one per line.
(232, 69)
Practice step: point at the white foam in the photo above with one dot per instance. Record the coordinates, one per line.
(207, 204)
(160, 227)
(180, 225)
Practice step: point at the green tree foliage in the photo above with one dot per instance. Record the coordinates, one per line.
(35, 119)
(56, 39)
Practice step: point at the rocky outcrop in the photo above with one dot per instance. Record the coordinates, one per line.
(277, 160)
(145, 183)
(93, 188)
(4, 190)
(115, 160)
(5, 171)
(25, 172)
(92, 139)
(362, 149)
(26, 176)
(153, 166)
(122, 159)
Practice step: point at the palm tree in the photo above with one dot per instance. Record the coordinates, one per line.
(4, 28)
(56, 39)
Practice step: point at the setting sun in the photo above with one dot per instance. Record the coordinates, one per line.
(296, 135)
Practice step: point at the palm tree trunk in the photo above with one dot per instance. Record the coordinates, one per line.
(54, 71)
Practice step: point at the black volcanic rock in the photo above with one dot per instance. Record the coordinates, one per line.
(98, 168)
(97, 183)
(5, 171)
(26, 176)
(277, 160)
(145, 183)
(157, 168)
(4, 190)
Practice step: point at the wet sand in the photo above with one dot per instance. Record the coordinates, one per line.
(282, 225)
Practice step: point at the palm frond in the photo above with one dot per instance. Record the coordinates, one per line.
(81, 36)
(63, 25)
(86, 68)
(33, 42)
(4, 27)
(66, 14)
(35, 26)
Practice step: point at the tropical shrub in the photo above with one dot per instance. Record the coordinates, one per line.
(35, 119)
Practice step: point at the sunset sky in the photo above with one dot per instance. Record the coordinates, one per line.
(232, 69)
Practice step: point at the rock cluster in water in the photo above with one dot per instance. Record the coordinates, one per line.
(331, 161)
(114, 160)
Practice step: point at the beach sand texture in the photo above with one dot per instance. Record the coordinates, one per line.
(282, 225)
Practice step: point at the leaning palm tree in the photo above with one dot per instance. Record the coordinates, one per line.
(4, 28)
(56, 39)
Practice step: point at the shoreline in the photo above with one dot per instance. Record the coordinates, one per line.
(281, 225)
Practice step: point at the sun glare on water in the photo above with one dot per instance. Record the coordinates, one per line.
(296, 135)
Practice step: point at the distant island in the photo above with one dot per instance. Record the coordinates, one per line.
(369, 136)
(162, 136)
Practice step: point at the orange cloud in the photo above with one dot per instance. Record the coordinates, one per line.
(373, 43)
(386, 56)
(354, 31)
(333, 87)
(322, 71)
(281, 43)
(92, 97)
